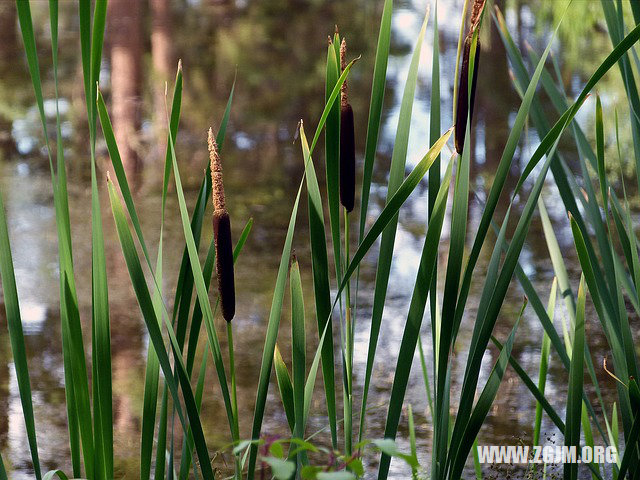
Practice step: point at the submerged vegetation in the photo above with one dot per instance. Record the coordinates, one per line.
(174, 443)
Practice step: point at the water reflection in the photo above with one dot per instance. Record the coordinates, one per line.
(277, 48)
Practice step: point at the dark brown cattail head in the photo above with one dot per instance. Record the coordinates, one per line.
(347, 142)
(466, 102)
(222, 235)
(224, 263)
(347, 158)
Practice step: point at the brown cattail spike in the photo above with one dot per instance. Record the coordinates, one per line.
(347, 142)
(222, 235)
(224, 263)
(347, 158)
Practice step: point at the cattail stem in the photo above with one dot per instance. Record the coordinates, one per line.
(348, 402)
(222, 235)
(232, 371)
(234, 399)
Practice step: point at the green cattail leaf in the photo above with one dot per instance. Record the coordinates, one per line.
(535, 391)
(118, 167)
(271, 335)
(616, 28)
(447, 333)
(62, 215)
(285, 388)
(320, 267)
(612, 431)
(79, 375)
(558, 263)
(485, 400)
(98, 452)
(185, 461)
(55, 473)
(600, 152)
(146, 306)
(434, 172)
(29, 41)
(396, 176)
(313, 373)
(417, 306)
(630, 453)
(412, 443)
(375, 109)
(494, 291)
(425, 375)
(150, 397)
(576, 379)
(298, 347)
(161, 449)
(14, 324)
(544, 363)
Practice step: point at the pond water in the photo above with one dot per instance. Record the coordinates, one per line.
(277, 48)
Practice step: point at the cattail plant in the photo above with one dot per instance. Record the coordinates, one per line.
(222, 234)
(466, 96)
(347, 199)
(347, 141)
(224, 271)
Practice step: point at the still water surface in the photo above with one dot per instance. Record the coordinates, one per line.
(278, 50)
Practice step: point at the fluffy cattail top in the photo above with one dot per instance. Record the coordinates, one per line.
(344, 91)
(478, 6)
(216, 174)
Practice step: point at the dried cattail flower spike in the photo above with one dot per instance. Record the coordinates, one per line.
(466, 101)
(222, 235)
(347, 142)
